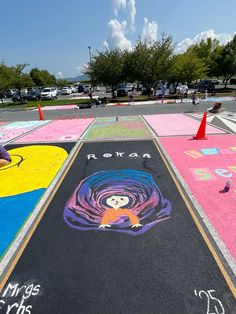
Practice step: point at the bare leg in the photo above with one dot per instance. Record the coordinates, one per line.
(4, 162)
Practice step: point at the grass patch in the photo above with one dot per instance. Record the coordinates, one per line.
(43, 103)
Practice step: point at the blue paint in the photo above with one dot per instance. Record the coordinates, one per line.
(14, 210)
(209, 151)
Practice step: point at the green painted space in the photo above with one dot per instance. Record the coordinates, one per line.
(118, 127)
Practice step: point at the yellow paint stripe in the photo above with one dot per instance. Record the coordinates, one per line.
(27, 239)
(200, 228)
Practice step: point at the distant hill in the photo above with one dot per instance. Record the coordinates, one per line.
(79, 78)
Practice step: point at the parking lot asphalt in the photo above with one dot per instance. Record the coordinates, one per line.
(60, 260)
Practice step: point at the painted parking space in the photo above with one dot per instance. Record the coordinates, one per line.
(3, 123)
(206, 166)
(24, 182)
(176, 124)
(118, 127)
(15, 129)
(225, 120)
(60, 131)
(117, 237)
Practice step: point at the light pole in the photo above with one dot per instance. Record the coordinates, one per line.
(90, 57)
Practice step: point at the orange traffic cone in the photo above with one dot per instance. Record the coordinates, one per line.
(41, 116)
(91, 116)
(85, 116)
(202, 129)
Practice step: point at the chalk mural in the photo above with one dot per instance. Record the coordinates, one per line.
(207, 166)
(15, 297)
(127, 201)
(22, 184)
(61, 130)
(10, 131)
(120, 127)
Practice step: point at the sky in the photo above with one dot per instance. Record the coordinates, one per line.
(55, 35)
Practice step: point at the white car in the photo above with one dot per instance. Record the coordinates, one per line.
(87, 89)
(49, 93)
(72, 88)
(66, 91)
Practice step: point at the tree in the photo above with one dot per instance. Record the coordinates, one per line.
(209, 51)
(19, 79)
(188, 67)
(42, 77)
(106, 68)
(62, 82)
(162, 58)
(137, 64)
(227, 60)
(4, 80)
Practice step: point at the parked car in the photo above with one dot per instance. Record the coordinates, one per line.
(85, 106)
(108, 89)
(9, 93)
(80, 89)
(87, 89)
(72, 88)
(122, 90)
(130, 87)
(66, 91)
(206, 85)
(34, 95)
(49, 93)
(16, 96)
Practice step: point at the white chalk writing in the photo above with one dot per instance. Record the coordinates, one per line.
(118, 154)
(211, 301)
(21, 294)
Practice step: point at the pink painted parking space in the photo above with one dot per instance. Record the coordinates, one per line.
(206, 166)
(60, 130)
(176, 124)
(13, 130)
(3, 123)
(63, 107)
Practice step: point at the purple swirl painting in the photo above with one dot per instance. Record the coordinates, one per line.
(127, 201)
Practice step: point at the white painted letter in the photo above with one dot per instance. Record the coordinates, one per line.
(89, 156)
(146, 156)
(107, 155)
(36, 290)
(1, 305)
(10, 293)
(119, 154)
(9, 308)
(133, 155)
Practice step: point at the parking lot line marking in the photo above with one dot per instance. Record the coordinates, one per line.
(200, 228)
(31, 232)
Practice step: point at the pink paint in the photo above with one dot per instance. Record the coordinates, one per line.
(57, 107)
(60, 130)
(176, 124)
(15, 129)
(206, 176)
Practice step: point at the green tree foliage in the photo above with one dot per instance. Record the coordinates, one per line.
(106, 68)
(62, 82)
(208, 51)
(188, 67)
(138, 64)
(162, 58)
(42, 77)
(227, 60)
(19, 79)
(5, 76)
